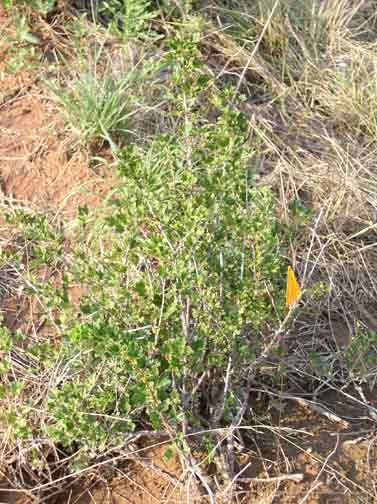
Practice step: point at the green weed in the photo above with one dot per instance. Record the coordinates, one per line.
(41, 6)
(360, 358)
(129, 19)
(22, 46)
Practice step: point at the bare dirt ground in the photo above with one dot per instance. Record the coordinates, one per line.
(295, 456)
(36, 163)
(300, 457)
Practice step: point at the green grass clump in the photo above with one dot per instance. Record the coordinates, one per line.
(96, 106)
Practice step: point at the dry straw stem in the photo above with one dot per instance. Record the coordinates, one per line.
(256, 47)
(297, 477)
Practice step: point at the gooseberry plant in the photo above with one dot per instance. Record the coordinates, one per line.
(184, 266)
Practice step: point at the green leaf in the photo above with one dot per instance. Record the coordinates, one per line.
(30, 37)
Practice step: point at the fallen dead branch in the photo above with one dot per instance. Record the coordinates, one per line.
(297, 477)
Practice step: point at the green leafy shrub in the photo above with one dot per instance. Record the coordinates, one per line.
(183, 270)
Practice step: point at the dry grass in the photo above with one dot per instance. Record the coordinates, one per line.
(318, 135)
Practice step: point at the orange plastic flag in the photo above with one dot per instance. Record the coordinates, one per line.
(293, 289)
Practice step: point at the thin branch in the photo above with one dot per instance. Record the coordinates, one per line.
(315, 482)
